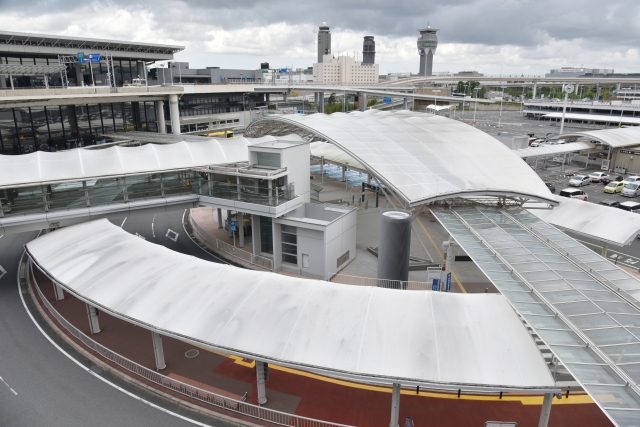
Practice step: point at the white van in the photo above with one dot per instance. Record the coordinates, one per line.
(574, 193)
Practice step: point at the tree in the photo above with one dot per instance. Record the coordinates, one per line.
(332, 99)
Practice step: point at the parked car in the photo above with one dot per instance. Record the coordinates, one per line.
(597, 176)
(631, 189)
(610, 203)
(580, 180)
(631, 179)
(630, 206)
(536, 142)
(613, 187)
(574, 193)
(551, 187)
(611, 177)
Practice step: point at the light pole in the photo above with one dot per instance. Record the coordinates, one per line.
(437, 91)
(567, 89)
(475, 108)
(501, 99)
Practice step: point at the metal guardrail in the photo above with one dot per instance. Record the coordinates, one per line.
(239, 406)
(215, 243)
(410, 285)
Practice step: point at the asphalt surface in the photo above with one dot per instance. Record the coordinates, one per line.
(41, 386)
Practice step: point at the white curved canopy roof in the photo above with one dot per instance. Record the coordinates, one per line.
(547, 150)
(603, 223)
(616, 138)
(420, 156)
(441, 340)
(605, 118)
(44, 167)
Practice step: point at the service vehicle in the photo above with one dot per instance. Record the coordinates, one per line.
(631, 190)
(613, 187)
(574, 193)
(580, 180)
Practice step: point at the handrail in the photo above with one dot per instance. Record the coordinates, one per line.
(410, 285)
(238, 406)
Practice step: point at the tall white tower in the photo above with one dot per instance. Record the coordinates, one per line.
(427, 44)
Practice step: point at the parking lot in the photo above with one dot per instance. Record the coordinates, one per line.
(595, 191)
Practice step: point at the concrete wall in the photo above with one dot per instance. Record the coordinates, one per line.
(311, 244)
(296, 160)
(340, 237)
(630, 161)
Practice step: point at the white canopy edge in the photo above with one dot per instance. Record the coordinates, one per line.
(439, 340)
(604, 118)
(44, 167)
(547, 150)
(616, 138)
(603, 223)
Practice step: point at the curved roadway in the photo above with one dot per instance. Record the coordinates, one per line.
(41, 386)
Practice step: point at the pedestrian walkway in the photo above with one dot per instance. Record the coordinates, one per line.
(312, 395)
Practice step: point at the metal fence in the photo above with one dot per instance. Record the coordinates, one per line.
(239, 406)
(215, 243)
(410, 285)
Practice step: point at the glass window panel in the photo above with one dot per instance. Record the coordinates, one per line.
(540, 275)
(26, 200)
(633, 370)
(627, 283)
(82, 117)
(548, 322)
(614, 397)
(564, 296)
(616, 307)
(552, 337)
(627, 319)
(106, 191)
(289, 258)
(289, 249)
(177, 183)
(628, 353)
(118, 113)
(500, 276)
(552, 285)
(590, 321)
(594, 374)
(583, 307)
(580, 354)
(510, 286)
(94, 118)
(610, 336)
(55, 125)
(601, 265)
(520, 296)
(68, 195)
(41, 136)
(128, 117)
(266, 235)
(144, 186)
(526, 308)
(578, 275)
(602, 296)
(514, 259)
(586, 284)
(126, 71)
(530, 266)
(107, 118)
(614, 274)
(625, 418)
(152, 123)
(26, 139)
(561, 266)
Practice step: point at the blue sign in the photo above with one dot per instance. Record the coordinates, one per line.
(80, 57)
(283, 70)
(232, 224)
(436, 285)
(94, 57)
(448, 283)
(386, 100)
(300, 112)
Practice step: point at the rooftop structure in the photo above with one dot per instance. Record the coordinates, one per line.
(324, 41)
(578, 72)
(368, 50)
(427, 45)
(345, 69)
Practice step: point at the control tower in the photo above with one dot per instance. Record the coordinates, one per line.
(369, 50)
(427, 44)
(324, 41)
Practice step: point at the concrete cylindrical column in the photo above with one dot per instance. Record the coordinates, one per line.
(158, 351)
(262, 391)
(175, 114)
(321, 96)
(92, 313)
(220, 224)
(405, 105)
(364, 102)
(395, 405)
(394, 243)
(240, 226)
(162, 127)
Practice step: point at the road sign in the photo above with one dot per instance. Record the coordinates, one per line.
(283, 70)
(80, 57)
(448, 283)
(94, 57)
(386, 100)
(436, 285)
(232, 225)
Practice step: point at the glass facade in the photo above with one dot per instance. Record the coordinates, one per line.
(214, 104)
(27, 129)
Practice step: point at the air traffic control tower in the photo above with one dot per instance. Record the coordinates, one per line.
(427, 44)
(324, 41)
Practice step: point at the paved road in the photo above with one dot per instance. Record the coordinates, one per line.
(41, 386)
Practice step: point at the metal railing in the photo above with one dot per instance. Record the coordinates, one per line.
(410, 285)
(239, 406)
(215, 243)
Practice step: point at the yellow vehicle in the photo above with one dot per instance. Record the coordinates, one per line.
(614, 187)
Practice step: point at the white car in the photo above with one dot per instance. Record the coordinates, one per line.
(631, 179)
(536, 143)
(631, 190)
(579, 180)
(597, 176)
(574, 193)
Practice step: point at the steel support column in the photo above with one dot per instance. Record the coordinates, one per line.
(546, 410)
(92, 314)
(240, 228)
(58, 292)
(158, 351)
(220, 224)
(162, 127)
(405, 105)
(229, 221)
(605, 248)
(175, 114)
(535, 90)
(262, 390)
(364, 102)
(395, 405)
(321, 96)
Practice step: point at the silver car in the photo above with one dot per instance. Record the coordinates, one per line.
(631, 190)
(580, 180)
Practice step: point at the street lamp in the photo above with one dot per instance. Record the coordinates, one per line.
(567, 89)
(475, 108)
(437, 91)
(501, 99)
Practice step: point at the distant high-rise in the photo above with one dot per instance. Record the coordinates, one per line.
(427, 44)
(324, 41)
(369, 50)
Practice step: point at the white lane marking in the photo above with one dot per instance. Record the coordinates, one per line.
(128, 393)
(2, 272)
(5, 383)
(174, 237)
(125, 219)
(140, 236)
(152, 223)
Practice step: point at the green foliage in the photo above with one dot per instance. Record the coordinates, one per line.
(332, 99)
(372, 102)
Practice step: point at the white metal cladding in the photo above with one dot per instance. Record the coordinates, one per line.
(366, 333)
(547, 150)
(44, 167)
(603, 223)
(421, 156)
(616, 138)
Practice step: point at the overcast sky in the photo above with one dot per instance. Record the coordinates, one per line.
(491, 36)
